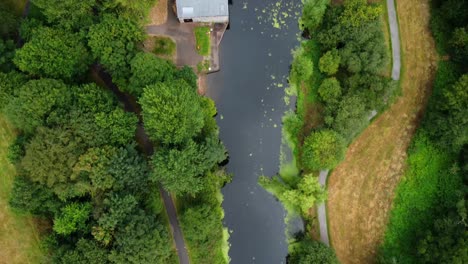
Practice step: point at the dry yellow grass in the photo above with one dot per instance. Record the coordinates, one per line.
(19, 239)
(361, 189)
(158, 14)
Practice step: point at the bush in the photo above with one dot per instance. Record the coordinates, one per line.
(330, 62)
(330, 90)
(164, 46)
(308, 251)
(323, 150)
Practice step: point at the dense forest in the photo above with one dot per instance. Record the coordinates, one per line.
(81, 157)
(339, 74)
(428, 222)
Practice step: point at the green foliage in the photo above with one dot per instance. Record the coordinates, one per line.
(16, 149)
(186, 73)
(164, 46)
(203, 37)
(73, 218)
(141, 241)
(10, 83)
(308, 251)
(28, 197)
(181, 170)
(358, 12)
(61, 149)
(148, 69)
(459, 42)
(129, 9)
(171, 112)
(113, 43)
(86, 251)
(8, 21)
(323, 150)
(34, 101)
(302, 67)
(330, 62)
(69, 14)
(312, 13)
(53, 53)
(330, 90)
(299, 198)
(351, 117)
(7, 53)
(428, 184)
(203, 229)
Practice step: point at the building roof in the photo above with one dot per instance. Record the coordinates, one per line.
(202, 8)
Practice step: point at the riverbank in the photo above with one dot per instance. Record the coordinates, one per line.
(361, 188)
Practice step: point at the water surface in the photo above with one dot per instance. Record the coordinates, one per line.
(249, 92)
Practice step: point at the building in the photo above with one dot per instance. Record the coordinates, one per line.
(209, 11)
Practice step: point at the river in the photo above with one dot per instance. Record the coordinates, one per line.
(255, 56)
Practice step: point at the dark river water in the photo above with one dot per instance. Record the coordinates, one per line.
(255, 55)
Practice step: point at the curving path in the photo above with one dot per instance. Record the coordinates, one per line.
(396, 70)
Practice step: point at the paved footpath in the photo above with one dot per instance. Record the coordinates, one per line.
(396, 69)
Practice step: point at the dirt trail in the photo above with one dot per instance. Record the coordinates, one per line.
(361, 189)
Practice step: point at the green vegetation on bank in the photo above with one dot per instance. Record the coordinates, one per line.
(428, 222)
(78, 163)
(338, 75)
(202, 35)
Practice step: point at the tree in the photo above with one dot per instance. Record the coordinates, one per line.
(133, 10)
(85, 251)
(29, 197)
(8, 20)
(302, 67)
(351, 117)
(308, 251)
(10, 84)
(141, 241)
(7, 53)
(181, 170)
(148, 69)
(312, 13)
(459, 42)
(305, 195)
(113, 43)
(58, 12)
(34, 101)
(73, 218)
(330, 62)
(203, 228)
(53, 53)
(171, 112)
(330, 90)
(323, 149)
(50, 157)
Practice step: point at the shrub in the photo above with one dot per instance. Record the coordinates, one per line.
(330, 62)
(323, 150)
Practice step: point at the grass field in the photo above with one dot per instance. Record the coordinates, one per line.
(202, 34)
(361, 189)
(19, 235)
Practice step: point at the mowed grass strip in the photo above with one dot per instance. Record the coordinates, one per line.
(19, 236)
(361, 188)
(202, 35)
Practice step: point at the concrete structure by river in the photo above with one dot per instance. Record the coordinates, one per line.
(249, 93)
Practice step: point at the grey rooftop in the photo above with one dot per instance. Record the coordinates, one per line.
(202, 8)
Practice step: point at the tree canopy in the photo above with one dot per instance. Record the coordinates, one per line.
(171, 111)
(53, 53)
(323, 150)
